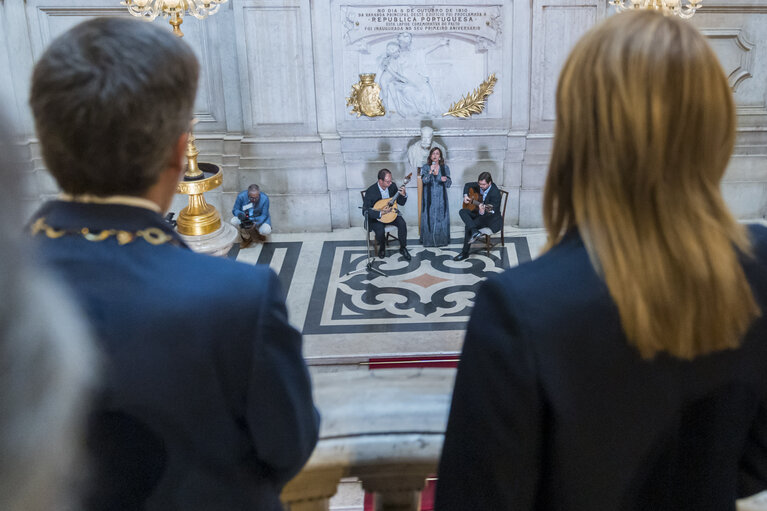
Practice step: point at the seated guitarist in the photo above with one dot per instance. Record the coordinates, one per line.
(385, 189)
(480, 217)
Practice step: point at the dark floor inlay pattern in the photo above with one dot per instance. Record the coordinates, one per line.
(290, 250)
(431, 292)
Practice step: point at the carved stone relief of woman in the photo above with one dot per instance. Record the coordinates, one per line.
(405, 80)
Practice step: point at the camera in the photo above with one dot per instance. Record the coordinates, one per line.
(169, 219)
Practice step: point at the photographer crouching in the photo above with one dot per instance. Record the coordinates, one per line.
(251, 216)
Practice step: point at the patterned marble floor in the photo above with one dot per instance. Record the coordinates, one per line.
(349, 314)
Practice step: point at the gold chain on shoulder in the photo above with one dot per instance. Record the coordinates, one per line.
(151, 235)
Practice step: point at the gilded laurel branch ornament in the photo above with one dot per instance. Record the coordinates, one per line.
(474, 102)
(365, 97)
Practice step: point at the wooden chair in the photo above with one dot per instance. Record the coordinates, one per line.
(389, 231)
(489, 233)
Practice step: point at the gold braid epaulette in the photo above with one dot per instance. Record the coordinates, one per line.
(152, 235)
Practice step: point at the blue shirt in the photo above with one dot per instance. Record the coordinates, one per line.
(259, 212)
(485, 192)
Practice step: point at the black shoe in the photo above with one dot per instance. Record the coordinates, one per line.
(460, 257)
(382, 252)
(405, 254)
(475, 236)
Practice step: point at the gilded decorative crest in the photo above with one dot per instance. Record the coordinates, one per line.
(365, 98)
(474, 102)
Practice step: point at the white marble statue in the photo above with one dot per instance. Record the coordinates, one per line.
(404, 79)
(419, 151)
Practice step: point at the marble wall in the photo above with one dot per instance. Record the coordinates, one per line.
(276, 75)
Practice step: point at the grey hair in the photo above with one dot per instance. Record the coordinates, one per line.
(253, 188)
(48, 367)
(110, 98)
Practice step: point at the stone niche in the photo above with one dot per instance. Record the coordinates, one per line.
(276, 74)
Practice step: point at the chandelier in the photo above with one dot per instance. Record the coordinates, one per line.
(150, 9)
(681, 8)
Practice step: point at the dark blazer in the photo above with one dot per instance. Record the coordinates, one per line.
(206, 400)
(373, 195)
(553, 410)
(493, 198)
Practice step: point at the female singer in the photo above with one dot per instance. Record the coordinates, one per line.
(435, 216)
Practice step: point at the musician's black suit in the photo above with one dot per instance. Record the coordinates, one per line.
(474, 221)
(373, 195)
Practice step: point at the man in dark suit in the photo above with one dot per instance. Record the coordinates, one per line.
(481, 216)
(206, 400)
(385, 189)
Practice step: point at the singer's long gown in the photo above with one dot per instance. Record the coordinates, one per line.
(435, 215)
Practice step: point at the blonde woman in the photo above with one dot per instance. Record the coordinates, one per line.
(626, 368)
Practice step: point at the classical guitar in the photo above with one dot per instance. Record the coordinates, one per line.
(389, 217)
(475, 200)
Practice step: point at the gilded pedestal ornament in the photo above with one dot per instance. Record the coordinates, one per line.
(199, 217)
(365, 98)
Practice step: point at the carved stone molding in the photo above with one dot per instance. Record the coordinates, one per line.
(50, 21)
(385, 427)
(738, 71)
